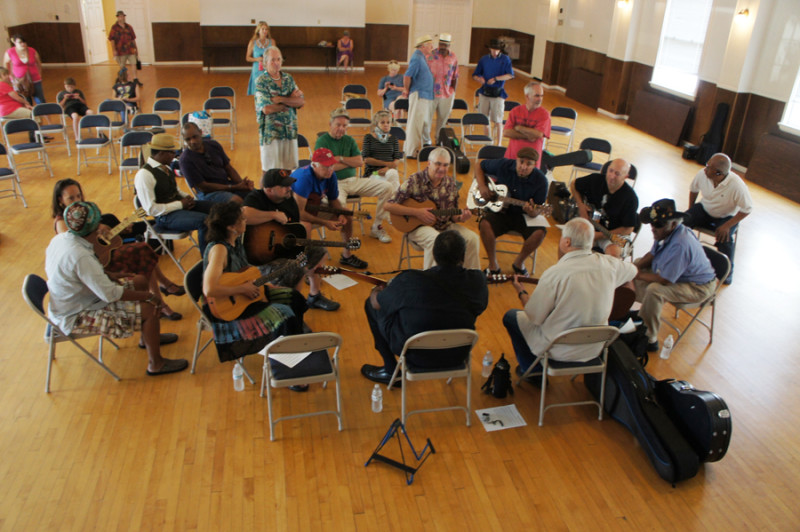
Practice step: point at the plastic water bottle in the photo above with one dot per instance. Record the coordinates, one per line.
(667, 348)
(377, 399)
(238, 378)
(486, 370)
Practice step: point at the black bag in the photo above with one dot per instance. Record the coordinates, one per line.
(499, 382)
(448, 139)
(637, 340)
(631, 400)
(564, 207)
(711, 142)
(138, 63)
(702, 417)
(492, 92)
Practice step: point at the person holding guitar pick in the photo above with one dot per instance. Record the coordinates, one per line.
(525, 183)
(616, 203)
(274, 311)
(435, 185)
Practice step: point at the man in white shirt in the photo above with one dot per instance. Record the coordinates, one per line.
(725, 201)
(159, 195)
(578, 291)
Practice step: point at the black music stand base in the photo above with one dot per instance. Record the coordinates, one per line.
(407, 469)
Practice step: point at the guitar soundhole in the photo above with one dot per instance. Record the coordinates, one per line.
(232, 299)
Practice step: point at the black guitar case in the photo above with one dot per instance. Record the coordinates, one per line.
(448, 139)
(550, 161)
(711, 142)
(631, 400)
(702, 417)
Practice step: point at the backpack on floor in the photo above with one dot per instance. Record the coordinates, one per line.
(499, 382)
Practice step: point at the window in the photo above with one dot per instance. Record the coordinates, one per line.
(791, 115)
(681, 46)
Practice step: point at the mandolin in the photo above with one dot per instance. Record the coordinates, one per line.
(267, 241)
(105, 244)
(407, 223)
(231, 307)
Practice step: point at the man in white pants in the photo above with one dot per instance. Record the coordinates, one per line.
(418, 88)
(444, 67)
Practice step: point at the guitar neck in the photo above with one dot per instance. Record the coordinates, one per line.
(264, 279)
(123, 225)
(443, 213)
(323, 243)
(330, 270)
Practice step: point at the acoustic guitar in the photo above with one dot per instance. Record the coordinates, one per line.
(231, 307)
(407, 223)
(270, 240)
(498, 199)
(314, 205)
(358, 276)
(105, 245)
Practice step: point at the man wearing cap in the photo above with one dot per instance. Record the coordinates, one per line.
(444, 67)
(612, 199)
(348, 160)
(525, 182)
(317, 182)
(275, 203)
(529, 124)
(725, 201)
(160, 197)
(124, 39)
(208, 170)
(84, 299)
(418, 88)
(675, 269)
(492, 72)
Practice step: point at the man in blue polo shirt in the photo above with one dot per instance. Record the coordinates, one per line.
(675, 269)
(492, 72)
(418, 88)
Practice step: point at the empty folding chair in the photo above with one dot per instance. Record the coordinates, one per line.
(33, 144)
(360, 111)
(562, 128)
(98, 141)
(118, 116)
(597, 146)
(147, 122)
(460, 108)
(475, 126)
(9, 174)
(220, 106)
(169, 109)
(230, 94)
(58, 123)
(168, 92)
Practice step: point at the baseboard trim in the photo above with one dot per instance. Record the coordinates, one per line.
(609, 114)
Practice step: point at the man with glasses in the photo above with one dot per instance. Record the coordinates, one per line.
(725, 201)
(208, 170)
(434, 184)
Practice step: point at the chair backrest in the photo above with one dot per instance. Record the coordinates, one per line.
(491, 152)
(425, 152)
(303, 343)
(170, 105)
(34, 290)
(20, 125)
(398, 132)
(136, 138)
(222, 92)
(720, 263)
(146, 120)
(44, 109)
(442, 339)
(602, 335)
(354, 88)
(460, 104)
(168, 92)
(302, 141)
(358, 103)
(595, 144)
(564, 112)
(193, 282)
(401, 104)
(94, 121)
(508, 105)
(217, 104)
(111, 106)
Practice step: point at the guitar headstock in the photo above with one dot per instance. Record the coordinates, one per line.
(544, 210)
(497, 278)
(353, 243)
(327, 270)
(140, 212)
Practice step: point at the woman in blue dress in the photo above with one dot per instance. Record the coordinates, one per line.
(255, 49)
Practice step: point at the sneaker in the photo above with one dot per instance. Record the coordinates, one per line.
(321, 302)
(380, 234)
(652, 347)
(353, 262)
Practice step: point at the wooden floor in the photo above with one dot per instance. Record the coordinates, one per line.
(186, 452)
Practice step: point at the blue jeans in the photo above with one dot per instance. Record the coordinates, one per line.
(698, 217)
(219, 196)
(524, 355)
(187, 220)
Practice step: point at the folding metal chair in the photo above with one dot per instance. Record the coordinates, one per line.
(220, 106)
(362, 115)
(597, 146)
(164, 236)
(167, 107)
(129, 143)
(9, 174)
(101, 140)
(147, 122)
(28, 127)
(58, 121)
(562, 128)
(230, 94)
(474, 127)
(353, 90)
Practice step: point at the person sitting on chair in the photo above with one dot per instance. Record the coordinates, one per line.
(86, 300)
(578, 291)
(612, 200)
(525, 182)
(675, 269)
(447, 296)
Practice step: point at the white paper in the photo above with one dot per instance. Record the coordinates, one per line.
(500, 418)
(339, 281)
(627, 327)
(536, 221)
(289, 360)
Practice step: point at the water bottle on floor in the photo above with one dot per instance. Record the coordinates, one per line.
(486, 369)
(238, 378)
(667, 348)
(377, 398)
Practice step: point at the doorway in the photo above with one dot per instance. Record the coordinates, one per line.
(433, 17)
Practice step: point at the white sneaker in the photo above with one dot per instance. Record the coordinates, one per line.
(380, 234)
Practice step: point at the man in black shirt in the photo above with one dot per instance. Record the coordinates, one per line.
(274, 202)
(610, 201)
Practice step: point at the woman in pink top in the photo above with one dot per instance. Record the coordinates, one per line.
(21, 60)
(12, 105)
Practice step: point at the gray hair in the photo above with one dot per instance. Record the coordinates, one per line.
(440, 153)
(380, 115)
(529, 87)
(580, 233)
(268, 50)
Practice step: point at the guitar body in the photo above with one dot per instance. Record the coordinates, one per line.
(231, 307)
(271, 240)
(104, 251)
(475, 201)
(406, 224)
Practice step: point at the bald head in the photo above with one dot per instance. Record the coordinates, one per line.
(616, 174)
(721, 162)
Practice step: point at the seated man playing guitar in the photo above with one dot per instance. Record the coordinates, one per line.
(427, 204)
(616, 204)
(272, 207)
(525, 189)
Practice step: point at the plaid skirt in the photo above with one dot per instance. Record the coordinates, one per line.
(119, 319)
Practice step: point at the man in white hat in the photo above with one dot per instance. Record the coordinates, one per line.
(444, 67)
(418, 88)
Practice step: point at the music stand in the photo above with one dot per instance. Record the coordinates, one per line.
(407, 469)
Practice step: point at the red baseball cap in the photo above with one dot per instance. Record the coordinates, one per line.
(323, 156)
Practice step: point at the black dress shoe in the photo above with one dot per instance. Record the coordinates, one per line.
(377, 374)
(652, 347)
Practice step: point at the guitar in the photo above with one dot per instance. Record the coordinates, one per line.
(104, 245)
(231, 307)
(264, 242)
(407, 223)
(314, 205)
(624, 296)
(499, 199)
(332, 270)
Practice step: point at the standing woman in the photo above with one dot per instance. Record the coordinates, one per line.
(261, 322)
(25, 65)
(344, 51)
(260, 41)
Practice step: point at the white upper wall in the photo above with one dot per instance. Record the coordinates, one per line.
(496, 13)
(587, 23)
(180, 10)
(343, 13)
(388, 11)
(17, 12)
(772, 71)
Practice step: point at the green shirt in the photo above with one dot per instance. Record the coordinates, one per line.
(345, 146)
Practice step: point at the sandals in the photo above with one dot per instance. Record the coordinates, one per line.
(173, 290)
(520, 271)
